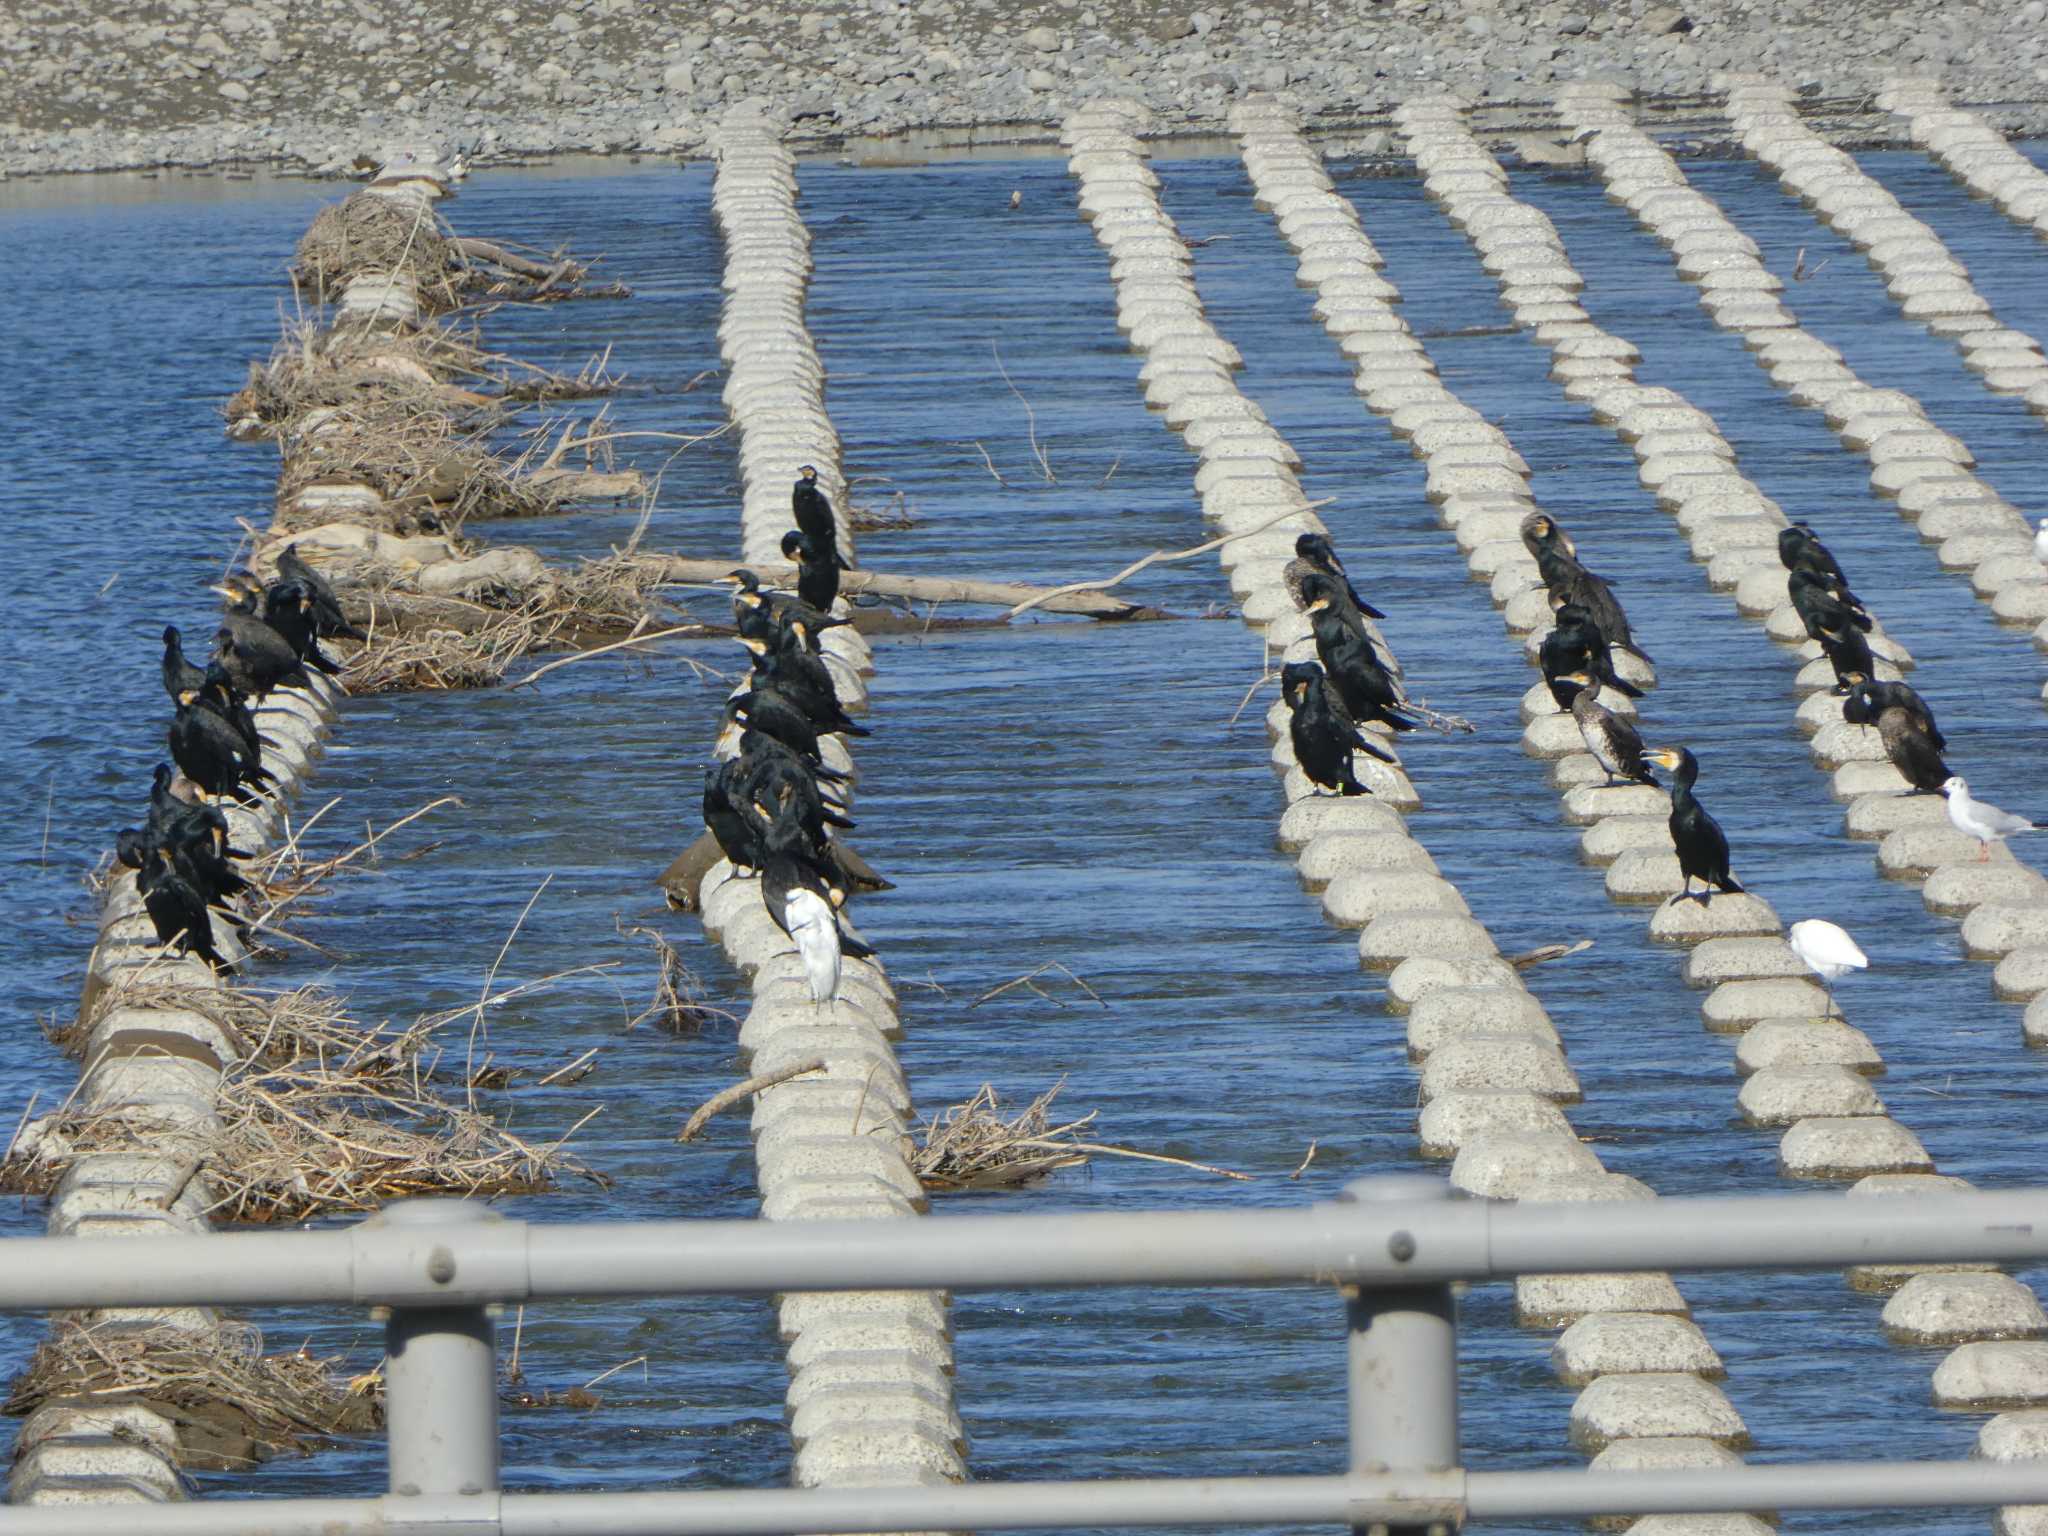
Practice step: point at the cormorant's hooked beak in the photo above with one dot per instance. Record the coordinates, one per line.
(1663, 757)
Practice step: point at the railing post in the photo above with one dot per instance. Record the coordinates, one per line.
(440, 1377)
(1404, 1361)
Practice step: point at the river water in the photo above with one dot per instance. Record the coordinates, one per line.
(1056, 793)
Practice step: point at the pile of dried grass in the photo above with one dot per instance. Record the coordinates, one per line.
(431, 471)
(430, 658)
(321, 1116)
(368, 234)
(232, 1403)
(971, 1146)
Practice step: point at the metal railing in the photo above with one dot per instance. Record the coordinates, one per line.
(1393, 1246)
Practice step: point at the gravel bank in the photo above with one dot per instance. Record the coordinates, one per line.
(312, 84)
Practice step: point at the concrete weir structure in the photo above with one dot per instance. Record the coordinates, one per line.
(1924, 470)
(871, 1393)
(2003, 903)
(1806, 1074)
(1978, 156)
(1492, 1070)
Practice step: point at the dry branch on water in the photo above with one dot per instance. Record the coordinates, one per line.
(232, 1404)
(677, 1007)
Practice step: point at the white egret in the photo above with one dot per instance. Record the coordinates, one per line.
(809, 919)
(1826, 950)
(2041, 542)
(1983, 821)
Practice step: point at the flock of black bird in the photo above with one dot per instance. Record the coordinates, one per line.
(268, 637)
(770, 799)
(1352, 683)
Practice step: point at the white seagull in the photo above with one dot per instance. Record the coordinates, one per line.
(2041, 542)
(1827, 951)
(1985, 822)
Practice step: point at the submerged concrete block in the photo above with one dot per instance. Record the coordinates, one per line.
(1779, 1044)
(1957, 1308)
(1607, 1343)
(1457, 1011)
(1837, 1147)
(1502, 1166)
(1654, 1404)
(1986, 1377)
(1784, 1095)
(1504, 1063)
(1452, 1121)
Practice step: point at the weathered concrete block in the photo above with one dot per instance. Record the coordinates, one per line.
(1654, 1404)
(1726, 915)
(1311, 817)
(1644, 875)
(1605, 841)
(1835, 1147)
(1988, 1377)
(1959, 1308)
(1784, 1095)
(1742, 959)
(1457, 1011)
(1452, 1121)
(1592, 803)
(1396, 936)
(1609, 1343)
(1998, 929)
(1738, 1006)
(1912, 853)
(1356, 900)
(1777, 1044)
(1419, 975)
(1501, 1166)
(1503, 1063)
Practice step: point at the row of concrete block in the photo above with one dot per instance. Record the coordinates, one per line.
(2004, 904)
(1493, 1073)
(1809, 1076)
(1492, 1069)
(1926, 471)
(1972, 151)
(870, 1398)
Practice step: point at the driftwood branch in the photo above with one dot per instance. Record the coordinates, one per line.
(719, 1102)
(1157, 557)
(930, 589)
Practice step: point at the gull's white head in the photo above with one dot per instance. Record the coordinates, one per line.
(1954, 785)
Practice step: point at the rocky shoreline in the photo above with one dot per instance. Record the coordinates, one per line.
(312, 85)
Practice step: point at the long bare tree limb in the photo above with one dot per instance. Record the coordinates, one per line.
(1160, 557)
(719, 1102)
(925, 589)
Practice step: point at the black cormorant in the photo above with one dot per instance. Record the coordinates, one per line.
(1905, 727)
(1568, 581)
(1324, 736)
(328, 619)
(1702, 845)
(1367, 690)
(1576, 644)
(814, 516)
(817, 579)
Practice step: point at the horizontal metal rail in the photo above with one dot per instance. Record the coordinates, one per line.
(1393, 1245)
(1358, 1500)
(437, 1253)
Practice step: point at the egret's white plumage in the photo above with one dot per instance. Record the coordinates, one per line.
(2041, 542)
(1827, 951)
(1983, 821)
(815, 928)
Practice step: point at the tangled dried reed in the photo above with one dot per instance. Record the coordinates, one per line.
(971, 1145)
(232, 1403)
(319, 1116)
(365, 235)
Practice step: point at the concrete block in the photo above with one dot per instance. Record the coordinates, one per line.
(1726, 915)
(1501, 1166)
(1870, 818)
(1779, 1044)
(1783, 1095)
(1454, 1012)
(1644, 875)
(1610, 1343)
(1736, 1007)
(1502, 1063)
(1654, 1404)
(1420, 975)
(1996, 930)
(1912, 853)
(1396, 936)
(1558, 1301)
(1720, 960)
(1609, 839)
(1960, 1308)
(1454, 1120)
(1836, 1147)
(1992, 1376)
(1355, 900)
